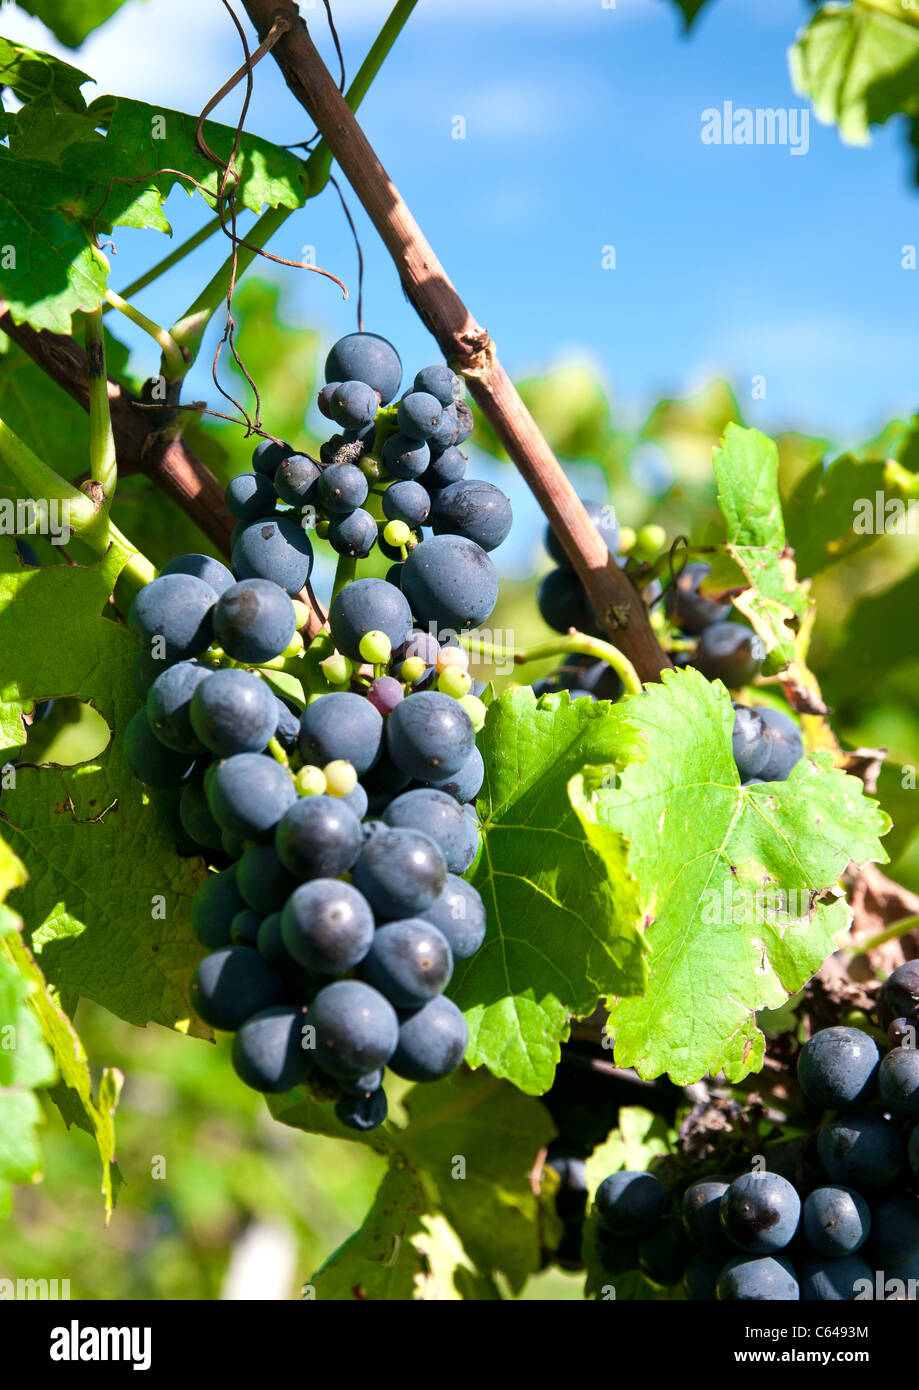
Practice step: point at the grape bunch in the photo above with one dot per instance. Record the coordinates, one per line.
(340, 833)
(766, 742)
(836, 1220)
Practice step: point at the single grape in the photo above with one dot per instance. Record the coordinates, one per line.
(287, 729)
(405, 458)
(701, 1212)
(174, 616)
(824, 1280)
(262, 879)
(144, 671)
(364, 606)
(244, 928)
(268, 455)
(450, 582)
(407, 501)
(318, 837)
(250, 496)
(254, 621)
(324, 398)
(342, 488)
(248, 794)
(233, 712)
(758, 1278)
(563, 603)
(474, 509)
(366, 357)
(432, 1042)
(700, 1279)
(894, 1238)
(385, 693)
(375, 647)
(296, 479)
(760, 1212)
(232, 984)
(268, 1052)
(400, 872)
(340, 778)
(446, 431)
(751, 742)
(216, 902)
(440, 816)
(898, 1082)
(362, 1112)
(356, 1028)
(353, 404)
(465, 784)
(341, 725)
(203, 567)
(454, 683)
(663, 1254)
(168, 705)
(900, 994)
(687, 607)
(465, 422)
(630, 1203)
(327, 925)
(429, 736)
(274, 548)
(423, 645)
(603, 516)
(354, 535)
(439, 381)
(196, 818)
(838, 1068)
(419, 415)
(860, 1150)
(150, 760)
(902, 1033)
(785, 745)
(271, 946)
(731, 653)
(617, 1256)
(444, 468)
(836, 1220)
(409, 961)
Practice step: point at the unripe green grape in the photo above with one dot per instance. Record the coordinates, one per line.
(397, 533)
(337, 669)
(375, 647)
(301, 613)
(627, 539)
(412, 669)
(340, 777)
(370, 468)
(650, 539)
(454, 682)
(475, 709)
(322, 528)
(295, 647)
(310, 781)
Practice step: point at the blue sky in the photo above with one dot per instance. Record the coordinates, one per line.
(582, 131)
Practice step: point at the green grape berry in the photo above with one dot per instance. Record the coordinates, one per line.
(340, 777)
(397, 533)
(475, 709)
(627, 539)
(295, 647)
(412, 669)
(650, 540)
(337, 669)
(454, 681)
(310, 781)
(301, 613)
(375, 647)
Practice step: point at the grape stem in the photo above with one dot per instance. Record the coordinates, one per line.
(576, 643)
(173, 357)
(901, 928)
(103, 464)
(345, 571)
(277, 752)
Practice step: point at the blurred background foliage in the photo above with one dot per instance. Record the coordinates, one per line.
(235, 1180)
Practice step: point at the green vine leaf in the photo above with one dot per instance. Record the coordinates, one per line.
(29, 74)
(564, 927)
(108, 895)
(68, 21)
(733, 879)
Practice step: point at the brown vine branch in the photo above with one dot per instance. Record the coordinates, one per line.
(465, 344)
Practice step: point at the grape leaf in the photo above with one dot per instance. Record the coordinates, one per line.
(477, 1140)
(563, 921)
(859, 64)
(755, 553)
(29, 74)
(711, 857)
(71, 20)
(835, 512)
(403, 1251)
(108, 896)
